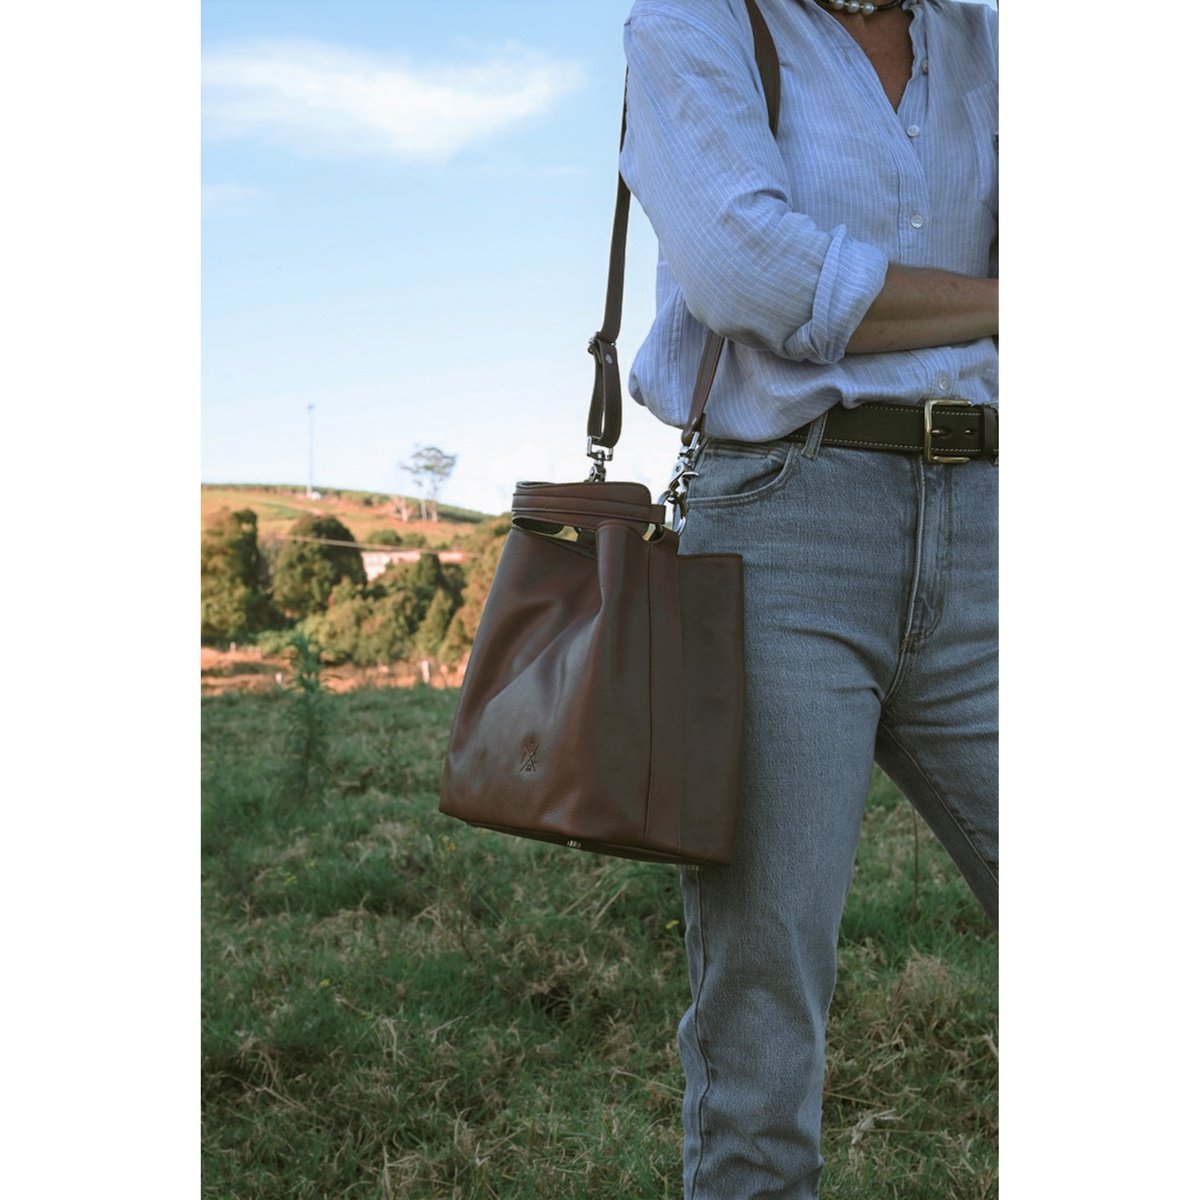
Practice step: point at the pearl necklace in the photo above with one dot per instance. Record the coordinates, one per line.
(854, 6)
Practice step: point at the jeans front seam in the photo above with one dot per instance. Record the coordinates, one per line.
(903, 658)
(945, 548)
(919, 545)
(936, 793)
(928, 577)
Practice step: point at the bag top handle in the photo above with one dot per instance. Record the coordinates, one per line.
(604, 412)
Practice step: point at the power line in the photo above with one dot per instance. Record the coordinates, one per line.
(299, 537)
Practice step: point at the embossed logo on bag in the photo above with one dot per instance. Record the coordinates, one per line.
(529, 763)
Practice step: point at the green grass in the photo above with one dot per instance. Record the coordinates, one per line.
(396, 1005)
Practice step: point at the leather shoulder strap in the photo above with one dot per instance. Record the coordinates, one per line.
(604, 413)
(767, 58)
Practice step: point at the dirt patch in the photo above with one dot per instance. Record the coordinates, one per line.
(247, 669)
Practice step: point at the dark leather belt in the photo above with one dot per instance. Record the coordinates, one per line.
(941, 431)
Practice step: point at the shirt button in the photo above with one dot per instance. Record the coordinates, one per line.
(924, 66)
(913, 130)
(917, 220)
(943, 382)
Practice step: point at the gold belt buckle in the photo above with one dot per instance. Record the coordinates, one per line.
(930, 405)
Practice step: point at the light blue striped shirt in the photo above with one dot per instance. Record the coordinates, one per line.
(782, 244)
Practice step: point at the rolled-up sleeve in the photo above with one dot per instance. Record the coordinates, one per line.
(701, 159)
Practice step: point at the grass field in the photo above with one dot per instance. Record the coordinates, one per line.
(396, 1005)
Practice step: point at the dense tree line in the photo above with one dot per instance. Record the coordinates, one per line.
(426, 609)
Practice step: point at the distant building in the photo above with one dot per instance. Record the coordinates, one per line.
(375, 562)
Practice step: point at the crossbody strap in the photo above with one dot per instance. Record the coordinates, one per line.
(604, 412)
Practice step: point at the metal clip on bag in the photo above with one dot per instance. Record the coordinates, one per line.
(602, 704)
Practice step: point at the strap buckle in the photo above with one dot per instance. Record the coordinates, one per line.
(599, 456)
(602, 349)
(932, 431)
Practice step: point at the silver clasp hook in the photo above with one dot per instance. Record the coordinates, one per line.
(599, 456)
(682, 475)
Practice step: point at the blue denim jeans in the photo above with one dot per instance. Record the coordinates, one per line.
(870, 634)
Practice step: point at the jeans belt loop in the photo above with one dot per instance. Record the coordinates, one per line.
(814, 431)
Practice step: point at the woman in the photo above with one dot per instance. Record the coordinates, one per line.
(851, 261)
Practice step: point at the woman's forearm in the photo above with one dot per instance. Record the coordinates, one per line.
(921, 307)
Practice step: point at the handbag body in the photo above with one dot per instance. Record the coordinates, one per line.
(603, 699)
(602, 702)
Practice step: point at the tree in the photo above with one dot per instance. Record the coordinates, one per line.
(234, 599)
(428, 638)
(393, 537)
(385, 537)
(309, 567)
(336, 628)
(420, 578)
(429, 467)
(387, 631)
(405, 610)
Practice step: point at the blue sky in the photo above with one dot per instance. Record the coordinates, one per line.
(419, 281)
(406, 207)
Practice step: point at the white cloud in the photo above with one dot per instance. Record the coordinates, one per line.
(325, 100)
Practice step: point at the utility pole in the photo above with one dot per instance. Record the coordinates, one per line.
(310, 450)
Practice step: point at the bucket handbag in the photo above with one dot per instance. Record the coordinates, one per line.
(603, 699)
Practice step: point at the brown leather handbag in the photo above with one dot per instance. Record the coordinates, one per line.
(602, 703)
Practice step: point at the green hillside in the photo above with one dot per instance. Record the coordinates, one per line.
(365, 514)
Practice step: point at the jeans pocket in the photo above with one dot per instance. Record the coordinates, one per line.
(734, 473)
